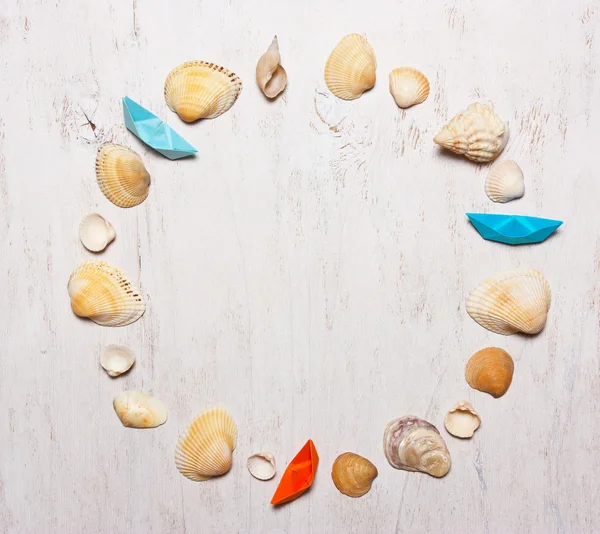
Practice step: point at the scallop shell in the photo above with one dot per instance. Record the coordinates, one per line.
(477, 133)
(408, 86)
(262, 465)
(413, 444)
(270, 75)
(462, 421)
(121, 175)
(95, 232)
(201, 90)
(116, 359)
(352, 474)
(204, 449)
(505, 182)
(490, 370)
(138, 410)
(103, 294)
(350, 69)
(511, 301)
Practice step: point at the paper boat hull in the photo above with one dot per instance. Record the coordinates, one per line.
(513, 229)
(298, 476)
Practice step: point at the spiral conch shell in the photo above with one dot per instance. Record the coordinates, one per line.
(201, 90)
(103, 294)
(204, 449)
(477, 133)
(505, 182)
(350, 69)
(511, 301)
(95, 232)
(408, 86)
(352, 474)
(413, 444)
(490, 370)
(270, 75)
(139, 410)
(462, 421)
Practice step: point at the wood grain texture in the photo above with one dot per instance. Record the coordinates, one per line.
(308, 270)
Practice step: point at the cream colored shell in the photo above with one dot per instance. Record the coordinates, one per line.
(116, 359)
(139, 410)
(408, 86)
(270, 75)
(462, 421)
(95, 232)
(505, 182)
(490, 370)
(262, 465)
(352, 474)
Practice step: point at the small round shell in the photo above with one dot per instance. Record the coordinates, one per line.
(116, 359)
(505, 182)
(352, 474)
(490, 370)
(462, 420)
(138, 410)
(270, 75)
(95, 232)
(262, 465)
(408, 86)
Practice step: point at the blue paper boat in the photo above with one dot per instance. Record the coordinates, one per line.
(513, 229)
(154, 132)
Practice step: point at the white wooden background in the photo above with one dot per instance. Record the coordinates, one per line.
(307, 270)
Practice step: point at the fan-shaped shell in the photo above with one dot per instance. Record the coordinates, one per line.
(490, 370)
(121, 175)
(204, 449)
(95, 232)
(477, 133)
(505, 182)
(352, 474)
(103, 294)
(270, 75)
(462, 421)
(201, 90)
(511, 301)
(350, 69)
(138, 410)
(408, 86)
(262, 465)
(116, 359)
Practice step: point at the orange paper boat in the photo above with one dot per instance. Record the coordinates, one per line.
(298, 476)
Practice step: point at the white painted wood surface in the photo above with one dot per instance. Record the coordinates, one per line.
(308, 270)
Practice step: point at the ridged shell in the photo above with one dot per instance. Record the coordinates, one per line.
(262, 465)
(352, 474)
(511, 301)
(121, 175)
(95, 232)
(350, 69)
(490, 370)
(505, 182)
(462, 421)
(204, 449)
(413, 444)
(116, 359)
(408, 86)
(138, 410)
(477, 133)
(270, 75)
(103, 294)
(201, 90)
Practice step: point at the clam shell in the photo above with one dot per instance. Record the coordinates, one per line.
(462, 421)
(138, 410)
(116, 359)
(413, 444)
(262, 465)
(490, 370)
(270, 75)
(477, 133)
(352, 474)
(95, 232)
(103, 294)
(511, 301)
(204, 449)
(201, 90)
(121, 175)
(505, 182)
(408, 86)
(350, 69)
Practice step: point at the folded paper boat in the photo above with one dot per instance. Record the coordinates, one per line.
(298, 476)
(154, 132)
(513, 229)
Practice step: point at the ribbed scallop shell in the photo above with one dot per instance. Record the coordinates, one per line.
(477, 133)
(408, 86)
(103, 294)
(350, 69)
(201, 90)
(511, 301)
(139, 410)
(121, 175)
(204, 449)
(490, 370)
(352, 474)
(505, 182)
(270, 75)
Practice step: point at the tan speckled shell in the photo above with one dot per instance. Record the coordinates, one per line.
(352, 474)
(139, 410)
(490, 370)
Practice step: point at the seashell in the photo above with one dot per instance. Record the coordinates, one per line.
(511, 301)
(505, 182)
(103, 294)
(262, 465)
(204, 449)
(408, 86)
(270, 75)
(95, 232)
(121, 175)
(201, 90)
(350, 69)
(462, 420)
(116, 359)
(413, 444)
(490, 370)
(138, 410)
(477, 133)
(352, 474)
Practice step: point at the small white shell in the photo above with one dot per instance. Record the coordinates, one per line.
(116, 359)
(505, 182)
(408, 86)
(262, 465)
(96, 232)
(138, 410)
(462, 420)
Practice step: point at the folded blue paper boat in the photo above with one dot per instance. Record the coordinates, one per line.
(154, 132)
(513, 229)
